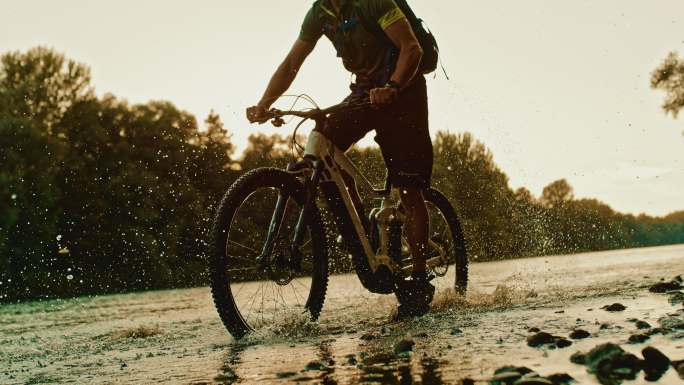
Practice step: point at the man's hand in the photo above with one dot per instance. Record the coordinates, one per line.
(383, 95)
(257, 114)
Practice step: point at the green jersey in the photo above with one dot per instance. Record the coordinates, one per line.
(363, 52)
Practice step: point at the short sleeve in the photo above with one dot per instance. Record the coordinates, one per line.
(385, 12)
(311, 30)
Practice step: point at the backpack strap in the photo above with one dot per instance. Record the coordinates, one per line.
(371, 26)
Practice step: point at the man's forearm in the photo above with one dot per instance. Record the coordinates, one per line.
(280, 81)
(407, 64)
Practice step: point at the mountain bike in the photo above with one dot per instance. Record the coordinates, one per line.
(271, 247)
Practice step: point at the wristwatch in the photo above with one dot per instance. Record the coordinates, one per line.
(393, 84)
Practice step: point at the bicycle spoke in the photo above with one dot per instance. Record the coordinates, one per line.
(262, 307)
(295, 294)
(240, 258)
(254, 296)
(242, 286)
(275, 298)
(282, 299)
(300, 284)
(256, 253)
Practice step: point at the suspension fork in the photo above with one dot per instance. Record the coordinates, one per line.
(310, 186)
(311, 189)
(264, 259)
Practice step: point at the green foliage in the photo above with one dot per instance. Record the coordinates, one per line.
(97, 195)
(669, 77)
(557, 194)
(266, 151)
(465, 172)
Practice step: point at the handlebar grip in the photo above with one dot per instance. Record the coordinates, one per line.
(262, 118)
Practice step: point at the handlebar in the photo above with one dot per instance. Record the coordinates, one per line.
(313, 113)
(276, 115)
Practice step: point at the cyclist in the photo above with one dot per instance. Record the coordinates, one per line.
(385, 66)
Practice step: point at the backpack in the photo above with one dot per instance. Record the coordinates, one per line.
(425, 38)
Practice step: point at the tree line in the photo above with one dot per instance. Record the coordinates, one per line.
(98, 195)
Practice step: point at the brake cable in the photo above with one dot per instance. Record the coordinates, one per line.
(294, 145)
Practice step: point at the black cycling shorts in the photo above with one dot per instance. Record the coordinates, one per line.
(401, 131)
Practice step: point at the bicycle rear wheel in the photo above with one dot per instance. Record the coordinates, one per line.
(247, 296)
(446, 232)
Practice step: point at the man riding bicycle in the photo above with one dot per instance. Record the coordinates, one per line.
(386, 69)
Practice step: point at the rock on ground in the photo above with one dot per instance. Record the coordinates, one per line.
(579, 334)
(614, 307)
(655, 363)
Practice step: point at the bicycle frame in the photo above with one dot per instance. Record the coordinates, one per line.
(325, 163)
(334, 162)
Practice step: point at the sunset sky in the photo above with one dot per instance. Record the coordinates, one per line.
(555, 89)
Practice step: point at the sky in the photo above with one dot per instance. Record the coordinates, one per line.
(556, 89)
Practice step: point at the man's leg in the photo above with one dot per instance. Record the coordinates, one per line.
(416, 227)
(404, 138)
(414, 296)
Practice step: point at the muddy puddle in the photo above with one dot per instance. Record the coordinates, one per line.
(175, 336)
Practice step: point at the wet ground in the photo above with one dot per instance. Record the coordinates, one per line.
(176, 337)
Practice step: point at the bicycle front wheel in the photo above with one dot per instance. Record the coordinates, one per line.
(247, 294)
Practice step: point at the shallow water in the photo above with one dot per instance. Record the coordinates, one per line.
(175, 336)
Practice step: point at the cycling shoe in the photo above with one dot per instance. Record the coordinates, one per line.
(414, 297)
